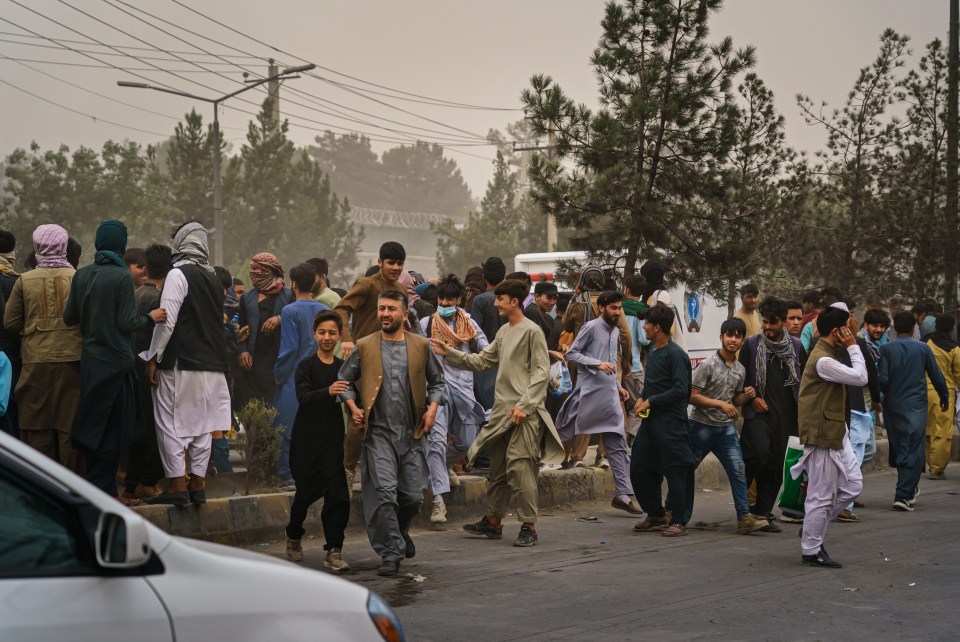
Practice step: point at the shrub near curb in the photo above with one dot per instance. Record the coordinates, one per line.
(259, 443)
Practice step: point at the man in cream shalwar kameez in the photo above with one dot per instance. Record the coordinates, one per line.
(520, 432)
(187, 364)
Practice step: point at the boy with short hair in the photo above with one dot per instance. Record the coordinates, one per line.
(296, 343)
(316, 445)
(717, 390)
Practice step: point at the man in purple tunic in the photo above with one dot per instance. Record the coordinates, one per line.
(596, 404)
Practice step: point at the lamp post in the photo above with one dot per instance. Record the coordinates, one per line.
(289, 72)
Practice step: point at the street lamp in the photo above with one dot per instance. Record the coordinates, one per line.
(286, 74)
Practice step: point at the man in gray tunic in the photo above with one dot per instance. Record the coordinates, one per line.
(596, 404)
(396, 387)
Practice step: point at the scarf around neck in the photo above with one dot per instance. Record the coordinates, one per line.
(634, 307)
(7, 259)
(873, 346)
(461, 332)
(782, 350)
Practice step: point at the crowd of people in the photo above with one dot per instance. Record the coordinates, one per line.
(130, 370)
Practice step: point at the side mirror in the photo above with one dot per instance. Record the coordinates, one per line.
(122, 541)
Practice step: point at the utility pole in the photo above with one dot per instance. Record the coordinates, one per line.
(952, 222)
(551, 220)
(288, 73)
(273, 90)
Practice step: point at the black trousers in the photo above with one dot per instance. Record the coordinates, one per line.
(102, 464)
(334, 515)
(660, 452)
(764, 445)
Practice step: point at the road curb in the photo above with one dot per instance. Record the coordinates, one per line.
(255, 518)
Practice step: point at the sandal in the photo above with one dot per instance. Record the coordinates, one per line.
(650, 524)
(675, 530)
(129, 501)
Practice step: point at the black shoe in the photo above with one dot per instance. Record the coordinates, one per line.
(198, 497)
(411, 549)
(821, 559)
(171, 499)
(770, 527)
(388, 568)
(484, 529)
(526, 538)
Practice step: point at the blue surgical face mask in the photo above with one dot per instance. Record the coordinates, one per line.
(446, 312)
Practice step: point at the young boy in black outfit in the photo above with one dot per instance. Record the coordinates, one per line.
(316, 446)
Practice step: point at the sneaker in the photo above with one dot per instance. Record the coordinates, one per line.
(916, 493)
(601, 462)
(526, 537)
(790, 519)
(334, 561)
(578, 464)
(170, 498)
(821, 559)
(770, 527)
(847, 516)
(288, 485)
(454, 478)
(750, 523)
(439, 513)
(903, 504)
(294, 550)
(546, 467)
(483, 528)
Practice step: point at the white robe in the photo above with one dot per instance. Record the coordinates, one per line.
(187, 404)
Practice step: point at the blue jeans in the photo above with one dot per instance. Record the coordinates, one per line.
(221, 455)
(723, 442)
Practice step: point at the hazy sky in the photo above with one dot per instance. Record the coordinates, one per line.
(480, 53)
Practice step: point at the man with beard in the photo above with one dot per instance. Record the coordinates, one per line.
(400, 386)
(748, 309)
(596, 404)
(773, 360)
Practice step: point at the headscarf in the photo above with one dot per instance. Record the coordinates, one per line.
(406, 280)
(110, 243)
(928, 326)
(50, 245)
(782, 350)
(266, 274)
(7, 259)
(190, 246)
(461, 332)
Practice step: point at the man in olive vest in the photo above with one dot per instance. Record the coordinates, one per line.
(396, 387)
(831, 465)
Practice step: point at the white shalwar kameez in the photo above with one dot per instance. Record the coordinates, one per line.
(188, 405)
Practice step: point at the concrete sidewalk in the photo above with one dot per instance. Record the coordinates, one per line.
(254, 518)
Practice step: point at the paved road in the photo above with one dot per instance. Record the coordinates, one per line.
(599, 581)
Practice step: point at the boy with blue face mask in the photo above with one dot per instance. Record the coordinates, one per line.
(462, 415)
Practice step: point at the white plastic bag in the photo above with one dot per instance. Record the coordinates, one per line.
(560, 381)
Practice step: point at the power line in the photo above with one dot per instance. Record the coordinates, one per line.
(99, 95)
(109, 53)
(95, 119)
(440, 136)
(87, 42)
(448, 103)
(446, 136)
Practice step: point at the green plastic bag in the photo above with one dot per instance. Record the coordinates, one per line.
(794, 491)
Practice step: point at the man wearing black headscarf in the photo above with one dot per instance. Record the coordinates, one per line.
(102, 302)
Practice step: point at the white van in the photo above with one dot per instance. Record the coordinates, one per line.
(701, 315)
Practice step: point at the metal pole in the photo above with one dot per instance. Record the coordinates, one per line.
(950, 298)
(217, 191)
(551, 221)
(273, 90)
